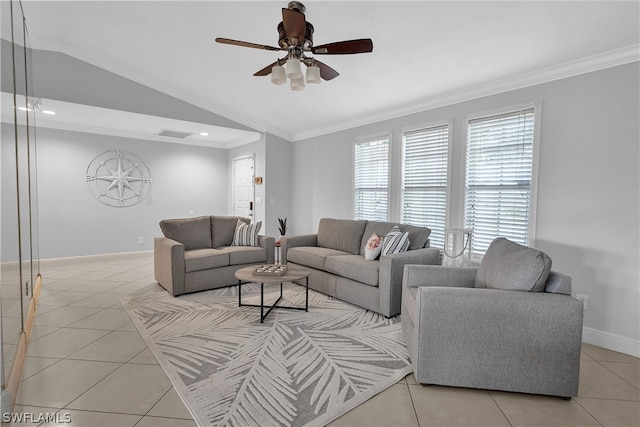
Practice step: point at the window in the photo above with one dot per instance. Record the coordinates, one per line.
(498, 178)
(371, 179)
(424, 180)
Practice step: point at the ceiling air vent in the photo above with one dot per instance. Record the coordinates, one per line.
(174, 133)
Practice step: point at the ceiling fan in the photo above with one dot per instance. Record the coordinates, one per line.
(296, 38)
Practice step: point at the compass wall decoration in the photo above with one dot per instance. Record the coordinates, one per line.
(118, 178)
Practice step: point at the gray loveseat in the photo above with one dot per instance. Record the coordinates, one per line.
(510, 324)
(195, 254)
(335, 258)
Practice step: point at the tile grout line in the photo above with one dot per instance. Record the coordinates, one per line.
(499, 407)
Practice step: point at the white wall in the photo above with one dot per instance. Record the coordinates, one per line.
(187, 181)
(588, 196)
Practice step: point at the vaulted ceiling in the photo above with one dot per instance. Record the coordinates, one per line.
(425, 52)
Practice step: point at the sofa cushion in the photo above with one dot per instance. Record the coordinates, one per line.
(395, 241)
(204, 259)
(508, 265)
(418, 236)
(193, 233)
(311, 256)
(373, 247)
(354, 267)
(223, 229)
(246, 234)
(245, 254)
(341, 234)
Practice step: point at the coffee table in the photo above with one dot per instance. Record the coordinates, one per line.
(245, 275)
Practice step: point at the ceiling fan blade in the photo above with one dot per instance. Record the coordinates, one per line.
(294, 26)
(326, 72)
(267, 70)
(245, 44)
(344, 48)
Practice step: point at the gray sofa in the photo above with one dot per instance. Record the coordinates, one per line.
(335, 258)
(195, 254)
(510, 324)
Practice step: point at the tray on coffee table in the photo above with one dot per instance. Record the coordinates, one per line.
(270, 270)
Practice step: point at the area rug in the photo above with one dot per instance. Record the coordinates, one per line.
(296, 369)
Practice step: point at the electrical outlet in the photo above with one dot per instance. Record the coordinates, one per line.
(585, 300)
(141, 240)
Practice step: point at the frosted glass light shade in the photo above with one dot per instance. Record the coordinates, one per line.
(313, 74)
(278, 76)
(293, 69)
(297, 84)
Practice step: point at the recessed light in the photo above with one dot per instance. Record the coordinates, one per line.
(24, 109)
(51, 113)
(204, 134)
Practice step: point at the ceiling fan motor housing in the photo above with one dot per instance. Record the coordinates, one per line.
(283, 40)
(297, 6)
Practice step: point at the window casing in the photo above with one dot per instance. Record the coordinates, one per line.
(425, 161)
(371, 179)
(499, 177)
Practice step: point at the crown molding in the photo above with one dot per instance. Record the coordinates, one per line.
(609, 59)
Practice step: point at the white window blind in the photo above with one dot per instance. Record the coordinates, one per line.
(498, 178)
(424, 180)
(371, 180)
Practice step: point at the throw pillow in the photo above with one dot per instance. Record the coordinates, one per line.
(246, 234)
(395, 241)
(373, 247)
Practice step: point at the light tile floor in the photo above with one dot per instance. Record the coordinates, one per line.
(86, 359)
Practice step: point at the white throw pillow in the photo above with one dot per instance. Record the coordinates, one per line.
(246, 234)
(395, 241)
(373, 247)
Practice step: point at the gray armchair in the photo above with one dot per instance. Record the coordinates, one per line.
(509, 324)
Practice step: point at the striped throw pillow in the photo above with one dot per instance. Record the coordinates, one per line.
(395, 241)
(246, 234)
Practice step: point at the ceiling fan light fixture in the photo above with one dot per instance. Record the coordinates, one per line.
(278, 75)
(313, 74)
(293, 69)
(297, 84)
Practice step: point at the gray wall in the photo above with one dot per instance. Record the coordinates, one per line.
(64, 78)
(187, 181)
(278, 183)
(588, 196)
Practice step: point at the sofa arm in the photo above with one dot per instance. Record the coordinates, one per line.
(435, 275)
(168, 264)
(295, 241)
(269, 244)
(499, 339)
(391, 269)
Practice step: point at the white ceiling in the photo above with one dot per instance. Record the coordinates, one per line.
(425, 52)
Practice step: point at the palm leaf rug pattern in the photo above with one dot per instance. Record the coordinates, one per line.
(295, 369)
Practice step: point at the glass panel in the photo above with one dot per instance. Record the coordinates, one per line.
(19, 253)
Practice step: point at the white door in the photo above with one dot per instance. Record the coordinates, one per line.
(243, 187)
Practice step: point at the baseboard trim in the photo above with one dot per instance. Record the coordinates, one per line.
(25, 336)
(611, 341)
(84, 257)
